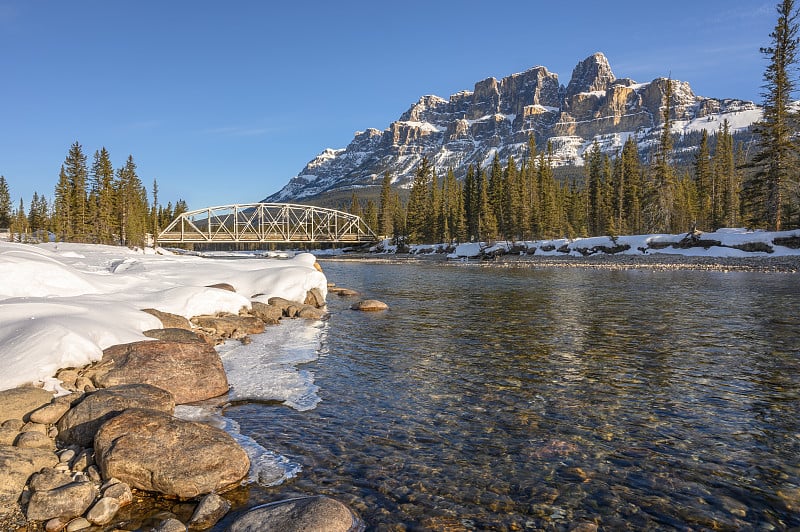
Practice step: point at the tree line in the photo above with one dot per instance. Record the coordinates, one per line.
(93, 204)
(620, 193)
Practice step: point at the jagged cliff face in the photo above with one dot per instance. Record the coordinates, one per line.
(499, 117)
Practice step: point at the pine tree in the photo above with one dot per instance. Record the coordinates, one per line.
(704, 183)
(660, 195)
(102, 174)
(548, 201)
(487, 222)
(595, 186)
(154, 225)
(632, 171)
(727, 180)
(385, 208)
(21, 227)
(5, 204)
(371, 214)
(355, 205)
(131, 207)
(418, 212)
(497, 191)
(775, 162)
(62, 208)
(77, 174)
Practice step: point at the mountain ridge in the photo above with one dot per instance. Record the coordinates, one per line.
(498, 116)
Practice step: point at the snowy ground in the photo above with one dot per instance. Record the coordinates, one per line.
(62, 304)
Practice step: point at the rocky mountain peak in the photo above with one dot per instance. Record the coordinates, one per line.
(590, 75)
(499, 116)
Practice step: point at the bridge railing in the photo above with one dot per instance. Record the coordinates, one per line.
(268, 223)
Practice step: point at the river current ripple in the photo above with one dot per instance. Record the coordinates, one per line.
(554, 399)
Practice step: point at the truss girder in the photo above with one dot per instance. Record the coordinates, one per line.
(268, 223)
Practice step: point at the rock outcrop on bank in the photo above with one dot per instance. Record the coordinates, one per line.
(73, 461)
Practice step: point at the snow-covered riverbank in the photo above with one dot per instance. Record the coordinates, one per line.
(62, 304)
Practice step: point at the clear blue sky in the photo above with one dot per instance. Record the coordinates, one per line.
(223, 102)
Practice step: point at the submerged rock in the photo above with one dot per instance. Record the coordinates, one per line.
(154, 451)
(320, 514)
(211, 509)
(369, 305)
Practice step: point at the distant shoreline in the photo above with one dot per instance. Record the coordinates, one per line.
(655, 261)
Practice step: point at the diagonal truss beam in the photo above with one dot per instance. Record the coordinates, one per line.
(268, 223)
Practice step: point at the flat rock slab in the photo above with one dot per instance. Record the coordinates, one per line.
(320, 514)
(18, 403)
(173, 335)
(155, 451)
(230, 326)
(191, 371)
(83, 421)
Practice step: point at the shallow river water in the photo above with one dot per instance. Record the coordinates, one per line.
(555, 399)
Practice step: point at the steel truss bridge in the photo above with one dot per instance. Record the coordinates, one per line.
(267, 223)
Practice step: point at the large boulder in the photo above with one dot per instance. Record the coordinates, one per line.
(320, 514)
(16, 466)
(191, 371)
(82, 422)
(18, 403)
(154, 451)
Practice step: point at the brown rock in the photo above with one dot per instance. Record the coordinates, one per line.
(16, 466)
(320, 514)
(103, 511)
(190, 371)
(49, 414)
(81, 423)
(269, 314)
(169, 321)
(369, 305)
(170, 525)
(230, 326)
(120, 491)
(223, 286)
(71, 500)
(211, 509)
(18, 403)
(281, 303)
(344, 292)
(34, 440)
(8, 436)
(174, 335)
(154, 451)
(49, 479)
(315, 298)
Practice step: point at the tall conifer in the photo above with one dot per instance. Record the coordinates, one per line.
(776, 160)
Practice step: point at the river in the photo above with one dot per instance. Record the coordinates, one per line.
(552, 398)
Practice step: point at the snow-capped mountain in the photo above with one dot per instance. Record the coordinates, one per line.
(499, 116)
